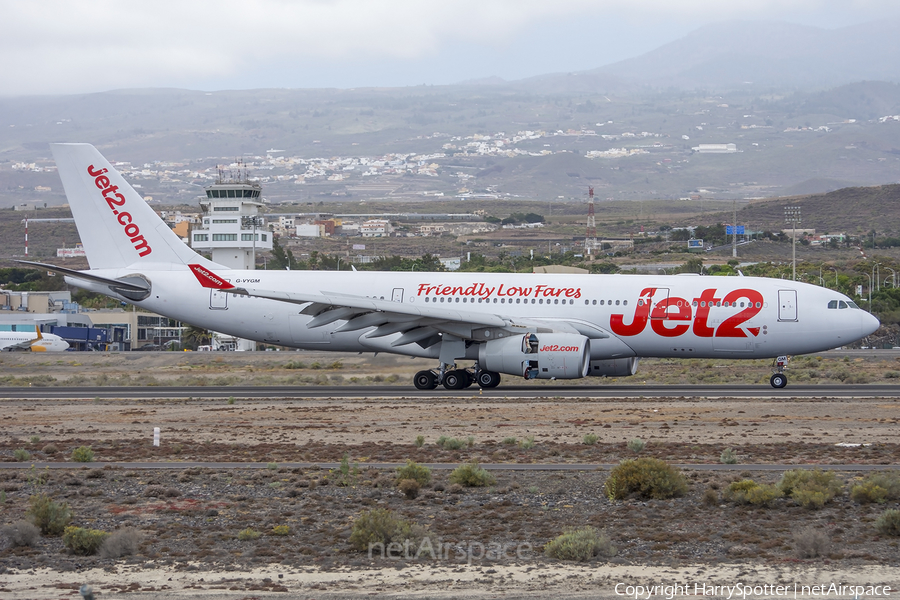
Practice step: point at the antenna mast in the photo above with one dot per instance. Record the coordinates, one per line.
(590, 236)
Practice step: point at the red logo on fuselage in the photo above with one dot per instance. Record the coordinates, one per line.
(115, 200)
(672, 317)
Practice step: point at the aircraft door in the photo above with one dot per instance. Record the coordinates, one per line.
(787, 305)
(660, 295)
(397, 295)
(218, 300)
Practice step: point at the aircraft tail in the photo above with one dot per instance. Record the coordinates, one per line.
(117, 227)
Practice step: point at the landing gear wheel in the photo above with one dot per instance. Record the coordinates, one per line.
(456, 379)
(487, 379)
(778, 380)
(425, 380)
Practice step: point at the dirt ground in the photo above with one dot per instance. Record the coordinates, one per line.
(190, 519)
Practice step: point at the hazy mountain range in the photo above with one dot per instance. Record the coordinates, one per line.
(746, 53)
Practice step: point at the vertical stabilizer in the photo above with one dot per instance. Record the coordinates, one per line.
(117, 228)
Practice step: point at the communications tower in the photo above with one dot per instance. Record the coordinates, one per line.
(590, 236)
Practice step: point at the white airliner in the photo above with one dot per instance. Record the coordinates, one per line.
(527, 325)
(35, 342)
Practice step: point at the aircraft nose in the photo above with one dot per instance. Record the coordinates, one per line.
(870, 323)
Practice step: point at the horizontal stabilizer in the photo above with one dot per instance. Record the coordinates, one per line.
(131, 286)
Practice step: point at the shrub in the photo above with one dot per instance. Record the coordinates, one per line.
(889, 522)
(281, 530)
(527, 443)
(21, 455)
(448, 443)
(347, 473)
(161, 491)
(272, 466)
(123, 542)
(50, 449)
(810, 542)
(34, 439)
(580, 545)
(409, 487)
(728, 457)
(247, 535)
(420, 441)
(510, 441)
(710, 497)
(21, 533)
(49, 516)
(748, 491)
(471, 475)
(83, 454)
(380, 526)
(810, 489)
(414, 471)
(589, 439)
(83, 541)
(645, 478)
(636, 445)
(877, 488)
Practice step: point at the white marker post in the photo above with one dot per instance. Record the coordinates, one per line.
(156, 436)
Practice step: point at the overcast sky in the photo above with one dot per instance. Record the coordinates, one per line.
(62, 46)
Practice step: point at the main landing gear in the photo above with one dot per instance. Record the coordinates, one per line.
(779, 379)
(455, 379)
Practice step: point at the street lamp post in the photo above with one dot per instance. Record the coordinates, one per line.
(792, 216)
(874, 277)
(870, 291)
(252, 222)
(893, 277)
(835, 277)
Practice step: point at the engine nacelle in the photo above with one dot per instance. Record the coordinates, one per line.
(538, 355)
(614, 367)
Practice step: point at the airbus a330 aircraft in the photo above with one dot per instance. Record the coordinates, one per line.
(35, 342)
(527, 325)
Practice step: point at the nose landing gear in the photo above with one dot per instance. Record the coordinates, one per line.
(779, 379)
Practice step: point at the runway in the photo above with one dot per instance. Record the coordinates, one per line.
(502, 393)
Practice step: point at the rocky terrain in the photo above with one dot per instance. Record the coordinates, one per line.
(279, 524)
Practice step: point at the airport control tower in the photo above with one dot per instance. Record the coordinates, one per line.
(232, 229)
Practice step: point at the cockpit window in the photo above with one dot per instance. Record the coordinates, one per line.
(852, 304)
(842, 304)
(833, 304)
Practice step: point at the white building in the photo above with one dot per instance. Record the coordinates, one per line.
(232, 230)
(715, 148)
(310, 230)
(376, 228)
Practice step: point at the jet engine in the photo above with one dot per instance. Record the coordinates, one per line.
(538, 355)
(614, 367)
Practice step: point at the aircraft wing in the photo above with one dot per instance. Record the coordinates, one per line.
(24, 344)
